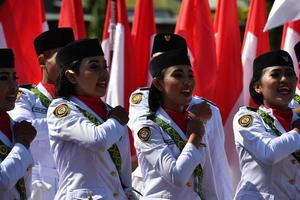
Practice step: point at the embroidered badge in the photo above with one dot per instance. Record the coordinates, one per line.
(137, 98)
(19, 94)
(3, 150)
(144, 134)
(245, 120)
(61, 111)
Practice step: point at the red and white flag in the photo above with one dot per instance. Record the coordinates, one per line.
(194, 23)
(143, 32)
(20, 23)
(256, 42)
(229, 74)
(71, 15)
(117, 47)
(290, 37)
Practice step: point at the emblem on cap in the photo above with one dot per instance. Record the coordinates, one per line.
(167, 38)
(61, 111)
(245, 121)
(137, 98)
(285, 58)
(144, 134)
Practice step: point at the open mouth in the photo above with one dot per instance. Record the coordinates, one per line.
(102, 84)
(186, 92)
(284, 90)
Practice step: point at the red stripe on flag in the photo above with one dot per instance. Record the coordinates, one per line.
(194, 23)
(22, 22)
(143, 30)
(71, 15)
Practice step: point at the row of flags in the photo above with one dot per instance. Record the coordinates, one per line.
(221, 63)
(21, 22)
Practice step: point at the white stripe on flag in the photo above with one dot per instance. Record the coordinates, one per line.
(115, 90)
(291, 38)
(2, 37)
(248, 56)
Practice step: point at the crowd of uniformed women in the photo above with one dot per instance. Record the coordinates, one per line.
(59, 139)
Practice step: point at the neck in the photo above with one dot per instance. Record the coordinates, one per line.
(278, 107)
(175, 108)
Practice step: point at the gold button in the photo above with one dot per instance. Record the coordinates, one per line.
(113, 173)
(115, 194)
(189, 184)
(294, 161)
(292, 181)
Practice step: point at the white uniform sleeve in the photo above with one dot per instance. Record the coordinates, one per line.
(219, 162)
(126, 166)
(77, 128)
(262, 143)
(158, 154)
(14, 166)
(23, 111)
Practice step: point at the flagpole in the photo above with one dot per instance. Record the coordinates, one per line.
(112, 30)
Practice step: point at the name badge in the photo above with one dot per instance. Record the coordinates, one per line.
(39, 110)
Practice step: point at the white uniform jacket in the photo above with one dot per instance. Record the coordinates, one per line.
(166, 171)
(44, 174)
(80, 151)
(15, 166)
(294, 104)
(269, 171)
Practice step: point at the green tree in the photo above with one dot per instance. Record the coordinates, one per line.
(98, 9)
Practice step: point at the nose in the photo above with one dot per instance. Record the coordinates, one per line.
(284, 78)
(103, 75)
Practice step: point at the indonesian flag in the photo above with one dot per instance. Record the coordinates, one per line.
(290, 37)
(143, 31)
(283, 11)
(194, 23)
(229, 74)
(71, 15)
(20, 23)
(117, 47)
(256, 42)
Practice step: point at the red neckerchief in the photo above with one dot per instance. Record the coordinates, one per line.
(50, 88)
(94, 103)
(284, 117)
(180, 118)
(5, 125)
(298, 85)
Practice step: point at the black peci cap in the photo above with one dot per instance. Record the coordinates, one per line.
(7, 59)
(168, 59)
(78, 50)
(54, 38)
(272, 58)
(167, 41)
(297, 51)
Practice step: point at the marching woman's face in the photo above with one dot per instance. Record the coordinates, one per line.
(93, 77)
(277, 85)
(177, 86)
(8, 88)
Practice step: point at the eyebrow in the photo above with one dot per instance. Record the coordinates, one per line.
(92, 61)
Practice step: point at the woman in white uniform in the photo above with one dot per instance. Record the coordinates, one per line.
(267, 139)
(170, 138)
(214, 134)
(15, 137)
(88, 138)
